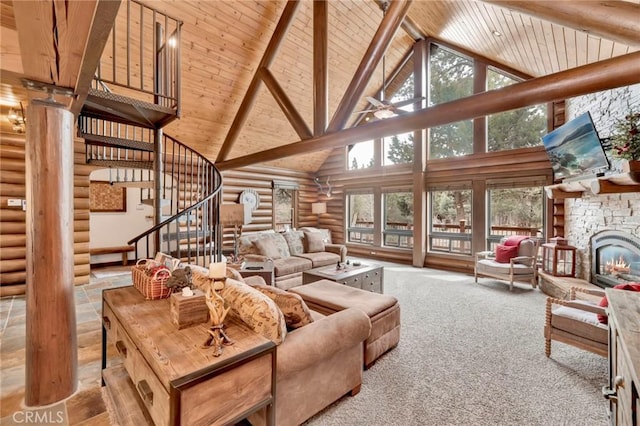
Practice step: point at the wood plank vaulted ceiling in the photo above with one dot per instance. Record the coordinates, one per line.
(223, 43)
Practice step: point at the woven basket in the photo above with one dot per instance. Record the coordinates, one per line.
(151, 287)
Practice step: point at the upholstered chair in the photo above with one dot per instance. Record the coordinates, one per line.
(515, 262)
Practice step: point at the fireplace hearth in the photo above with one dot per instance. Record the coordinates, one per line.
(615, 258)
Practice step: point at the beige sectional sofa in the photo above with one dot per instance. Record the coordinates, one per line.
(292, 252)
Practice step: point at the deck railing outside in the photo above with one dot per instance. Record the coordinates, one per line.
(446, 238)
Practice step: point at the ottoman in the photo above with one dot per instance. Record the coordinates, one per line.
(327, 297)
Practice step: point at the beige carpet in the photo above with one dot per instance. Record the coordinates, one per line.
(472, 354)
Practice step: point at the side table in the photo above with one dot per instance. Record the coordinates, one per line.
(164, 376)
(262, 269)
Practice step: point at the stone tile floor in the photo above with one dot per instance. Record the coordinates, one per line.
(85, 406)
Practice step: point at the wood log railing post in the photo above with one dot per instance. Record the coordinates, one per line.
(51, 340)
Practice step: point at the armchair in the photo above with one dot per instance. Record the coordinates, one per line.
(575, 322)
(521, 268)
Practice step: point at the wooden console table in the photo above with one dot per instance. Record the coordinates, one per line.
(160, 375)
(624, 357)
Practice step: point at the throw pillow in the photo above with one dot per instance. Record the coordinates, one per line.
(504, 254)
(295, 311)
(255, 309)
(267, 247)
(294, 241)
(604, 319)
(313, 242)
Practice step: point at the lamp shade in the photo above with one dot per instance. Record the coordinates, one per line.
(232, 214)
(318, 208)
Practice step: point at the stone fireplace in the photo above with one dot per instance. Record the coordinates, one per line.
(615, 258)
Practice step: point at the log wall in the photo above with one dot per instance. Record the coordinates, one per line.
(261, 180)
(13, 238)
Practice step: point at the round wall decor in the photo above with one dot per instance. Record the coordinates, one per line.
(251, 198)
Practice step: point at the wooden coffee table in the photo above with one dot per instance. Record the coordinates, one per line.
(365, 277)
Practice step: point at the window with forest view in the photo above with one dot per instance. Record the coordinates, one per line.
(520, 128)
(450, 221)
(398, 149)
(398, 219)
(360, 155)
(450, 78)
(360, 218)
(515, 211)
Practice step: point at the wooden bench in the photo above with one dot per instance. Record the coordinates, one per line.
(111, 250)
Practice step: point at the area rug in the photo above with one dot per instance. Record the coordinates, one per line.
(472, 354)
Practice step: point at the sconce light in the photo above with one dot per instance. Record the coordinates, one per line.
(328, 193)
(17, 120)
(318, 208)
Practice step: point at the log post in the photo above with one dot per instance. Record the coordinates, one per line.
(51, 341)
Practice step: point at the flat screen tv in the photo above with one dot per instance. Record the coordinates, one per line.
(575, 149)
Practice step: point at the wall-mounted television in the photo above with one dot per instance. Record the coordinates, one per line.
(575, 149)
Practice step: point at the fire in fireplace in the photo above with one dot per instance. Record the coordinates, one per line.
(615, 258)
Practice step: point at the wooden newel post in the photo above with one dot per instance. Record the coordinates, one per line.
(51, 341)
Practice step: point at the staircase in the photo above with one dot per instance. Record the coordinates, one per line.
(123, 132)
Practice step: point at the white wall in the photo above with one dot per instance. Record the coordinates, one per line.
(115, 229)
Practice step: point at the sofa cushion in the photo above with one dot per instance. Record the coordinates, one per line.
(295, 311)
(313, 242)
(322, 258)
(579, 323)
(294, 241)
(255, 309)
(505, 253)
(326, 234)
(291, 265)
(267, 247)
(245, 241)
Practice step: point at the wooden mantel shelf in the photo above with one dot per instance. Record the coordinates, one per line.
(626, 181)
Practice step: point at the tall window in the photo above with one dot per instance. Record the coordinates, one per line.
(398, 149)
(515, 208)
(519, 128)
(398, 219)
(360, 155)
(360, 218)
(451, 78)
(451, 140)
(285, 201)
(451, 221)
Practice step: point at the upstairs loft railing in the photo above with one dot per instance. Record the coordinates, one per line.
(142, 56)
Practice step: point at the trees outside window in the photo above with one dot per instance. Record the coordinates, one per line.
(515, 211)
(451, 229)
(360, 155)
(520, 128)
(360, 218)
(398, 219)
(398, 149)
(451, 78)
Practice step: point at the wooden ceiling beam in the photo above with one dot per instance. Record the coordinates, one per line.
(60, 41)
(615, 20)
(286, 19)
(320, 66)
(376, 50)
(616, 72)
(285, 104)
